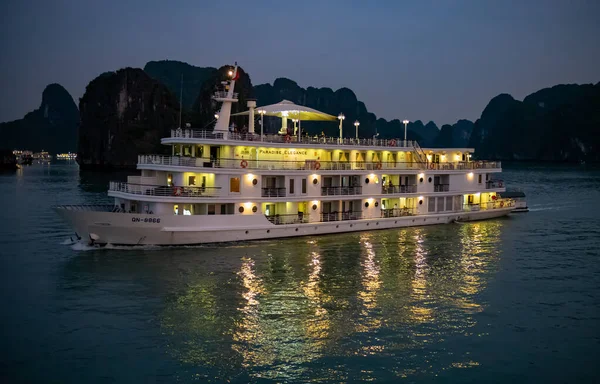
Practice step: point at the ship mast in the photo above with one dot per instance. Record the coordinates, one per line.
(226, 97)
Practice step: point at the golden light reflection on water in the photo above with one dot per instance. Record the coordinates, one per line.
(420, 313)
(418, 285)
(371, 283)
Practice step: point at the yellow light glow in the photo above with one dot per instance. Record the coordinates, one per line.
(470, 175)
(250, 176)
(247, 205)
(314, 202)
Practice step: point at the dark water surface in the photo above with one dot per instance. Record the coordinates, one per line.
(514, 299)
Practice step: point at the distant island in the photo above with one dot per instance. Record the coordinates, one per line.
(126, 112)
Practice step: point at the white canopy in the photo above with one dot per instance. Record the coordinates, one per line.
(286, 108)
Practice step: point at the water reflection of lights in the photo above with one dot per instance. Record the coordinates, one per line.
(419, 312)
(371, 283)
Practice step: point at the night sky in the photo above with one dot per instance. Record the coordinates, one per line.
(437, 60)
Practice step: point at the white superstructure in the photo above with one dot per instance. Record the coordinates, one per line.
(221, 185)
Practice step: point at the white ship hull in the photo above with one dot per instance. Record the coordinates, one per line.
(140, 229)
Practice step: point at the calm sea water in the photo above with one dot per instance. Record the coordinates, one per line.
(514, 299)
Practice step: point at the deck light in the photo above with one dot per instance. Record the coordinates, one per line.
(356, 124)
(405, 124)
(341, 117)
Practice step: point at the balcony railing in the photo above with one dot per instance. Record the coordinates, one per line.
(311, 140)
(391, 189)
(496, 204)
(298, 218)
(460, 165)
(490, 184)
(441, 187)
(329, 191)
(163, 190)
(339, 216)
(398, 212)
(197, 162)
(273, 192)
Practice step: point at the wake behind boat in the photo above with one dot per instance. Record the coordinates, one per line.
(223, 186)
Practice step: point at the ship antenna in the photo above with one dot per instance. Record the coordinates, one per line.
(180, 100)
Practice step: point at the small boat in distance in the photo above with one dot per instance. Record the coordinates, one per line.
(518, 196)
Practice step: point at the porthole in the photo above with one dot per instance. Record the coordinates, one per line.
(314, 207)
(351, 225)
(421, 180)
(420, 202)
(254, 181)
(296, 229)
(315, 181)
(241, 209)
(316, 228)
(367, 180)
(367, 204)
(377, 223)
(268, 231)
(413, 220)
(254, 209)
(396, 222)
(424, 220)
(246, 232)
(337, 226)
(430, 179)
(376, 204)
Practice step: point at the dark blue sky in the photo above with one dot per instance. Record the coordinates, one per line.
(435, 60)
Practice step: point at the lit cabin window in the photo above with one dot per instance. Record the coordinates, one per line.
(192, 180)
(234, 184)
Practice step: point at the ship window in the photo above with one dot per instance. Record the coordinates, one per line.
(448, 203)
(303, 185)
(431, 204)
(291, 186)
(480, 179)
(169, 179)
(192, 180)
(234, 184)
(211, 209)
(200, 151)
(223, 209)
(187, 209)
(176, 209)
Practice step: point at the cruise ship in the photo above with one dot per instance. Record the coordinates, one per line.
(222, 185)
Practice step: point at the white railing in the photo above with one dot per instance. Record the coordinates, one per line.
(315, 165)
(312, 140)
(225, 95)
(197, 162)
(163, 190)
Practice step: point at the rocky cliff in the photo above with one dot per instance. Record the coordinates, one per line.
(345, 101)
(52, 127)
(561, 123)
(170, 72)
(123, 114)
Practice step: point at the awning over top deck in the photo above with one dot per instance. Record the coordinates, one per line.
(287, 109)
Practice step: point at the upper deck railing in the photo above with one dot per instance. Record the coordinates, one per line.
(308, 140)
(315, 165)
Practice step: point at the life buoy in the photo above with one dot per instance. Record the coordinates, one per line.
(500, 184)
(317, 165)
(288, 139)
(501, 204)
(244, 164)
(431, 166)
(494, 197)
(378, 166)
(177, 191)
(393, 142)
